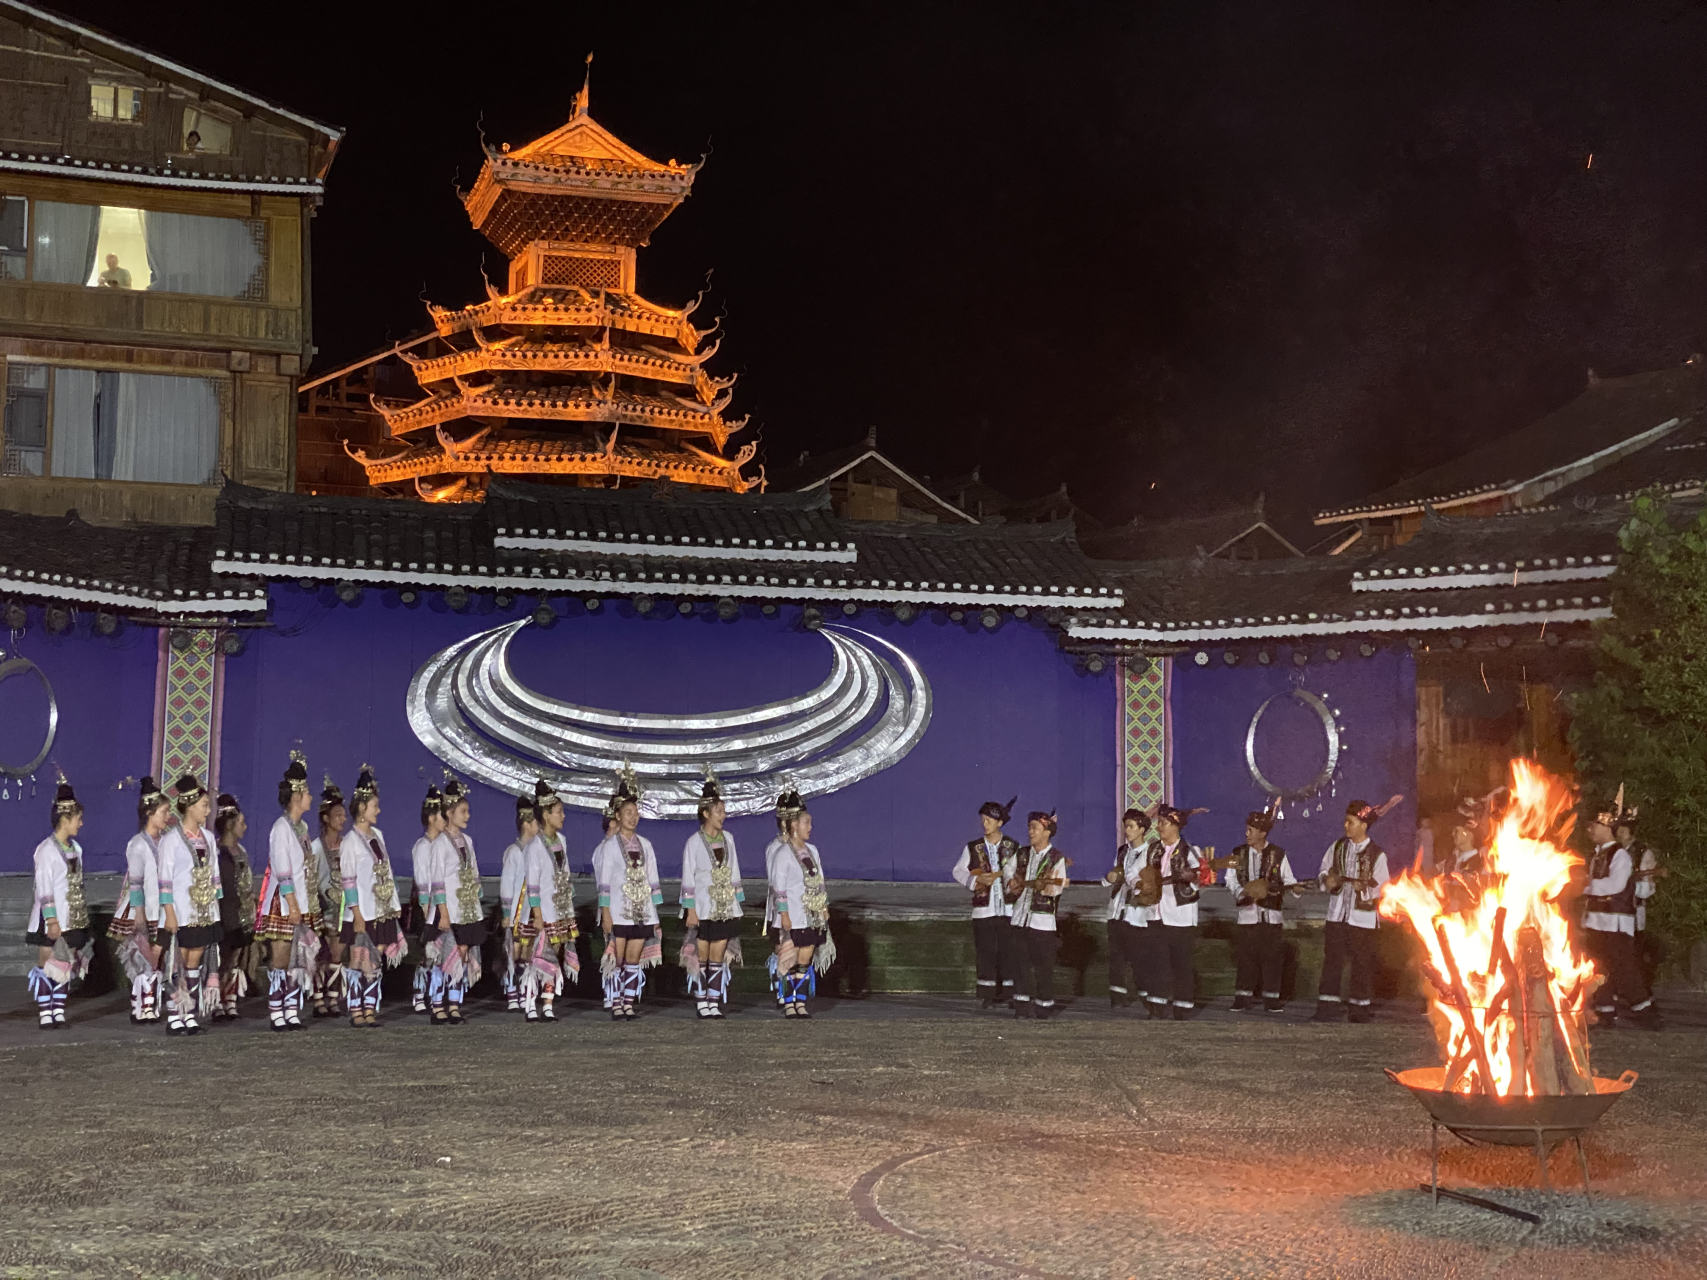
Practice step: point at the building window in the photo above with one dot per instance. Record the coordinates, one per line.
(115, 247)
(25, 450)
(89, 424)
(114, 102)
(14, 237)
(205, 134)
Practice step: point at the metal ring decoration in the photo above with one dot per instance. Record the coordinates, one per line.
(23, 666)
(469, 710)
(1331, 729)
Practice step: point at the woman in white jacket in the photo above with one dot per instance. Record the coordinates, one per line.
(290, 895)
(798, 907)
(59, 912)
(421, 883)
(136, 914)
(625, 869)
(368, 922)
(189, 899)
(711, 898)
(457, 908)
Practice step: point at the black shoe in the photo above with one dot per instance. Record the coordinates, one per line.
(1241, 1003)
(1326, 1011)
(1020, 1007)
(1360, 1014)
(1649, 1019)
(984, 1002)
(1273, 1006)
(455, 1015)
(1155, 1009)
(1182, 1013)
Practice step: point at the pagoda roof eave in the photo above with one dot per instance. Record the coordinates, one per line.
(544, 306)
(558, 359)
(619, 410)
(534, 458)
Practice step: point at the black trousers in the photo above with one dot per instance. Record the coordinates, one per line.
(1615, 956)
(1178, 944)
(1037, 949)
(1342, 942)
(1258, 949)
(1125, 955)
(996, 962)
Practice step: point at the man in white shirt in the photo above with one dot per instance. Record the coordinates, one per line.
(1178, 862)
(979, 868)
(1257, 876)
(1353, 871)
(1609, 924)
(1037, 879)
(1127, 918)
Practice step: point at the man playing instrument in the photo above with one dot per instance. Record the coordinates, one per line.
(1353, 871)
(1258, 876)
(979, 868)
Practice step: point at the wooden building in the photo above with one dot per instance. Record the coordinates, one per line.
(570, 375)
(864, 484)
(154, 267)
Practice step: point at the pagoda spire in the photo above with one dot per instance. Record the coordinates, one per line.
(585, 95)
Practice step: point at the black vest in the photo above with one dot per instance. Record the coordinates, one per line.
(1362, 867)
(1622, 903)
(1272, 854)
(1041, 904)
(978, 863)
(1176, 872)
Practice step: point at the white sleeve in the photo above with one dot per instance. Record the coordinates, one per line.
(1327, 862)
(1379, 871)
(1286, 876)
(963, 869)
(687, 896)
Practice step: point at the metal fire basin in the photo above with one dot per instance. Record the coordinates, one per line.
(1547, 1120)
(1539, 1123)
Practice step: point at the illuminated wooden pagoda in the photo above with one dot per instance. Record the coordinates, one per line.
(570, 374)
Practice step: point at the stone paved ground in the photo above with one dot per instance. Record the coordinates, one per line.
(885, 1139)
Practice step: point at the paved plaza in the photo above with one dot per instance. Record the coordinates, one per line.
(890, 1137)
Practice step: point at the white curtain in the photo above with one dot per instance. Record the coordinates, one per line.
(66, 235)
(168, 428)
(74, 423)
(187, 253)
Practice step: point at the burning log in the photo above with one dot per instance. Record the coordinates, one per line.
(1512, 983)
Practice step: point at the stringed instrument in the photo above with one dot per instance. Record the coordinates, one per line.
(1258, 889)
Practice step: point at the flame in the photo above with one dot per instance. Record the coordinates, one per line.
(1503, 935)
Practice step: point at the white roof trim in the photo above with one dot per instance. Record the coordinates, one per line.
(90, 36)
(1420, 581)
(673, 550)
(534, 584)
(1627, 445)
(1338, 626)
(134, 603)
(925, 489)
(103, 171)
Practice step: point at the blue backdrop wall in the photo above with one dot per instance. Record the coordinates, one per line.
(1375, 699)
(104, 687)
(1011, 715)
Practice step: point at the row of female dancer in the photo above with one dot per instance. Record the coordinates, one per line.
(327, 915)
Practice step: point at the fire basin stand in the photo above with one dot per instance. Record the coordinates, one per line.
(1541, 1121)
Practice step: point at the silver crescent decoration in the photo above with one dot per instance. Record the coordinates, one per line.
(469, 710)
(20, 667)
(1320, 707)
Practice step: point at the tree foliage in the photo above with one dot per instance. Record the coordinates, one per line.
(1643, 722)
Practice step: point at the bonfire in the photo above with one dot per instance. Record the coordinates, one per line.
(1511, 985)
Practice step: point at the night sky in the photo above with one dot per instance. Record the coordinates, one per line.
(1173, 255)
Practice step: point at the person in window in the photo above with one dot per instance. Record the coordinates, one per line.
(59, 917)
(189, 899)
(136, 915)
(192, 142)
(115, 276)
(236, 908)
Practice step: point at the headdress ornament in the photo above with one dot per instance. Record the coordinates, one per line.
(627, 788)
(1179, 817)
(330, 794)
(712, 791)
(434, 801)
(1263, 819)
(296, 772)
(64, 798)
(1367, 813)
(998, 812)
(366, 786)
(1047, 819)
(150, 795)
(226, 805)
(524, 808)
(544, 795)
(189, 791)
(455, 791)
(1618, 816)
(789, 804)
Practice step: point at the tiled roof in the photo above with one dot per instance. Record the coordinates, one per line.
(651, 521)
(1612, 416)
(1677, 462)
(39, 162)
(153, 569)
(1210, 532)
(1552, 544)
(286, 536)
